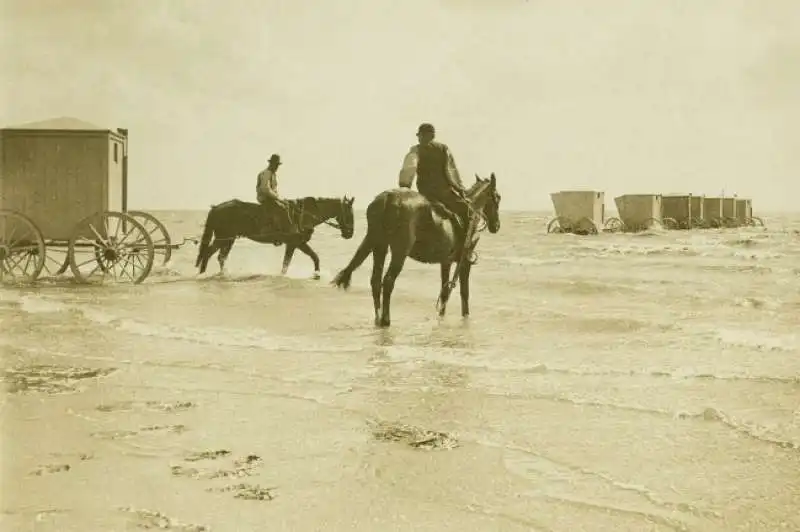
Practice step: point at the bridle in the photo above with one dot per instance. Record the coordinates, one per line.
(332, 223)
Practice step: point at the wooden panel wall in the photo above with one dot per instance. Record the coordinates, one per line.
(55, 178)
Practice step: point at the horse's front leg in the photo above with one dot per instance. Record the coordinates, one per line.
(444, 292)
(287, 258)
(305, 248)
(463, 282)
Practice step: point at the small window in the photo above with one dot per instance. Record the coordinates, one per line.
(116, 152)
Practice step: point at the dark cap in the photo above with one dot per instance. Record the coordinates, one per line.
(426, 128)
(275, 158)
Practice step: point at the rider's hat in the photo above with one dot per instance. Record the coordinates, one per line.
(426, 128)
(275, 158)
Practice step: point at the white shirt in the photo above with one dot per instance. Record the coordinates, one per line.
(267, 185)
(409, 170)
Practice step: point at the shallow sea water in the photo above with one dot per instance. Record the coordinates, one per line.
(611, 382)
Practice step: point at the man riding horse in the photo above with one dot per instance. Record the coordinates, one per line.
(267, 195)
(437, 179)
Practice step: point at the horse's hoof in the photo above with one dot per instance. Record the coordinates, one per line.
(316, 276)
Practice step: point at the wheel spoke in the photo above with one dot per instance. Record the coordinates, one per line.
(96, 234)
(22, 248)
(10, 236)
(125, 269)
(158, 233)
(127, 238)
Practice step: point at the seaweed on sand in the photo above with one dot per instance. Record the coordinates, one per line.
(413, 436)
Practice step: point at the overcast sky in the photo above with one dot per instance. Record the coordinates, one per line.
(625, 96)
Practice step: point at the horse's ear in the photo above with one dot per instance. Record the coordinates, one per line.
(351, 201)
(477, 178)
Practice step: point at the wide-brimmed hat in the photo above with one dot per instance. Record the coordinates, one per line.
(426, 128)
(275, 158)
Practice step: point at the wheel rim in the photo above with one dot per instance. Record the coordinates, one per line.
(110, 246)
(158, 232)
(22, 248)
(614, 225)
(555, 226)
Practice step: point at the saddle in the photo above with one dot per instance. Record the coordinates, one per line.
(282, 222)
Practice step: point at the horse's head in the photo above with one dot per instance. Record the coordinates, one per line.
(489, 201)
(345, 218)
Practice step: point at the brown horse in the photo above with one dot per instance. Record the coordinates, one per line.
(404, 221)
(235, 218)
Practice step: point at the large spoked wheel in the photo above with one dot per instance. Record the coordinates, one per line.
(110, 246)
(161, 239)
(22, 249)
(558, 225)
(729, 222)
(613, 225)
(670, 223)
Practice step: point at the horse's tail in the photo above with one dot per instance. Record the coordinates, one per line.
(378, 219)
(205, 240)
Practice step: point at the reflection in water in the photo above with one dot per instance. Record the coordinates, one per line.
(405, 383)
(383, 337)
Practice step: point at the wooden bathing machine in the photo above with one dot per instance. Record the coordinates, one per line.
(744, 210)
(638, 212)
(59, 171)
(577, 211)
(712, 212)
(697, 204)
(63, 189)
(729, 212)
(676, 211)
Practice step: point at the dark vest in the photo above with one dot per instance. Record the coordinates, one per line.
(432, 169)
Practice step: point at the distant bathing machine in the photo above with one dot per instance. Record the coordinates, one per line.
(583, 212)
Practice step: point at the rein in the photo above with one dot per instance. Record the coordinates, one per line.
(316, 219)
(476, 223)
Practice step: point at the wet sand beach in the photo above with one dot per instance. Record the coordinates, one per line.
(611, 383)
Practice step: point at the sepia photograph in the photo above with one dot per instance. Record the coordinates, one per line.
(443, 265)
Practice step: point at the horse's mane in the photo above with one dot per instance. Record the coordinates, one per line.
(477, 184)
(312, 200)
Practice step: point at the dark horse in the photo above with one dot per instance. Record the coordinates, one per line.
(404, 221)
(235, 218)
